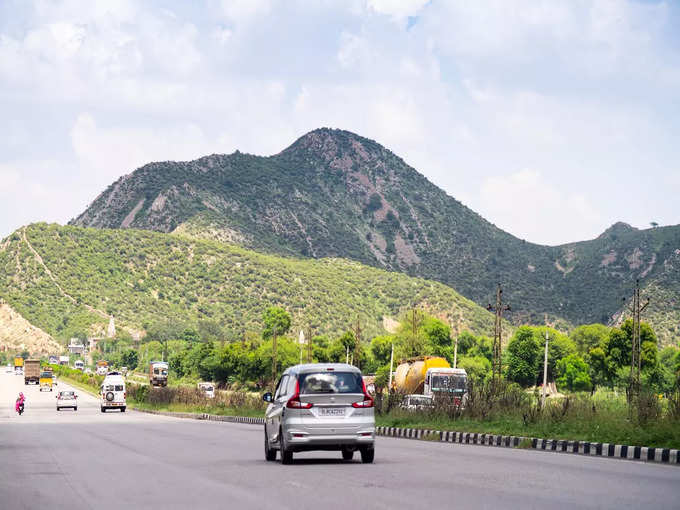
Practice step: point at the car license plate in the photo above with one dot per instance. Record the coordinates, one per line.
(332, 411)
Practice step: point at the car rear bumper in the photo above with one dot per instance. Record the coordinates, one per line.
(299, 440)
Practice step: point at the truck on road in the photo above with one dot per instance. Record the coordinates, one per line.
(32, 371)
(18, 365)
(433, 377)
(79, 364)
(102, 367)
(158, 373)
(46, 379)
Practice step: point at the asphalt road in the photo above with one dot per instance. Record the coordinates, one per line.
(86, 459)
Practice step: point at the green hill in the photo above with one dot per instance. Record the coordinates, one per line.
(335, 194)
(66, 280)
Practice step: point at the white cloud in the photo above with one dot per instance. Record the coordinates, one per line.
(582, 91)
(9, 178)
(397, 9)
(520, 203)
(244, 11)
(109, 152)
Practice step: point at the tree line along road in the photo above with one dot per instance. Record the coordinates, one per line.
(88, 460)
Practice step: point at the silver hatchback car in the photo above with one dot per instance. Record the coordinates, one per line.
(320, 406)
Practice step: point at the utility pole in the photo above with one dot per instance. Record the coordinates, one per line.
(455, 345)
(415, 320)
(309, 344)
(498, 332)
(635, 360)
(389, 383)
(274, 361)
(301, 343)
(357, 343)
(545, 370)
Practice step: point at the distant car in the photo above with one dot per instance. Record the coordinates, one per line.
(320, 406)
(208, 389)
(417, 402)
(9, 369)
(54, 379)
(67, 399)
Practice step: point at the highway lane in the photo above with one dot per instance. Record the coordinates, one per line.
(87, 459)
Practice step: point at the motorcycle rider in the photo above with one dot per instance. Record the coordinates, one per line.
(19, 406)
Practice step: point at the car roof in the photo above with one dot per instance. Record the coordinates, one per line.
(308, 368)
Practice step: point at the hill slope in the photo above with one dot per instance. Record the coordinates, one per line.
(335, 194)
(67, 279)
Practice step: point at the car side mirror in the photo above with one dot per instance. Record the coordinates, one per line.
(267, 397)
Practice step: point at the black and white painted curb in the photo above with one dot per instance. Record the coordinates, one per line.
(208, 417)
(661, 455)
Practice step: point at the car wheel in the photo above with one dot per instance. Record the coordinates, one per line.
(286, 454)
(75, 408)
(103, 410)
(367, 455)
(347, 454)
(269, 453)
(122, 409)
(58, 408)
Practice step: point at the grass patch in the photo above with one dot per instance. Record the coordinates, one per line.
(603, 419)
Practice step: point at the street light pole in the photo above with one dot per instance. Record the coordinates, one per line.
(545, 370)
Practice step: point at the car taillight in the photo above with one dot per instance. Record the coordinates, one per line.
(294, 401)
(367, 401)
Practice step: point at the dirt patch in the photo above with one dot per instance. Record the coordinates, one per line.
(635, 259)
(159, 203)
(17, 334)
(405, 252)
(608, 258)
(649, 267)
(390, 325)
(131, 215)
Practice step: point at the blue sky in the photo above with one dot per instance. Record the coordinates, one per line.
(552, 119)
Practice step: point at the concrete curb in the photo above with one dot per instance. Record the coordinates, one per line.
(643, 453)
(660, 455)
(205, 416)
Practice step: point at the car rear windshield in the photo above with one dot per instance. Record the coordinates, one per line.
(331, 382)
(46, 375)
(67, 394)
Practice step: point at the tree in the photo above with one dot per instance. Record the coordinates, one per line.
(210, 331)
(588, 337)
(164, 331)
(129, 358)
(381, 349)
(478, 368)
(467, 341)
(276, 322)
(523, 354)
(573, 373)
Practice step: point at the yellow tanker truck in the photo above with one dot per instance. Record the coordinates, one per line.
(431, 376)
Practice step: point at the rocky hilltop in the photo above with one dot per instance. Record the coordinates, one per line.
(333, 193)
